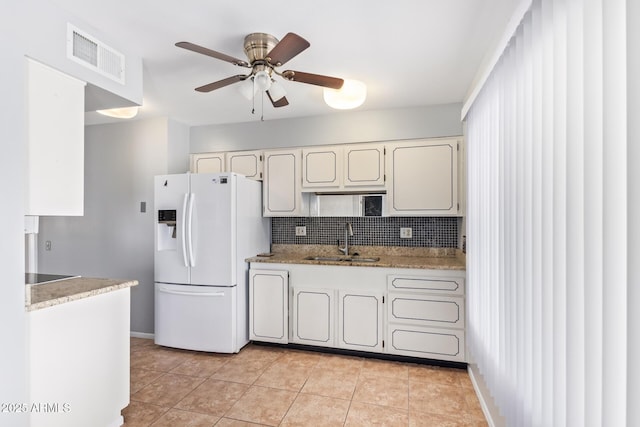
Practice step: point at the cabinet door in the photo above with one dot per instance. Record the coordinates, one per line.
(313, 316)
(247, 163)
(207, 162)
(322, 167)
(269, 306)
(281, 187)
(423, 178)
(364, 165)
(55, 147)
(360, 320)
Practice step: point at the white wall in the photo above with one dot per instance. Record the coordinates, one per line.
(36, 28)
(113, 238)
(14, 353)
(46, 24)
(338, 128)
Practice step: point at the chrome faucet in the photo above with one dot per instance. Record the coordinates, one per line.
(348, 231)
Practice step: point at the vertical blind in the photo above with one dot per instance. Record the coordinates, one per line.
(553, 251)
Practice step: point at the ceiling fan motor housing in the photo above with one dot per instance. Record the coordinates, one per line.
(258, 45)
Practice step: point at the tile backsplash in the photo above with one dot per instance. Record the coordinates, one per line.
(433, 232)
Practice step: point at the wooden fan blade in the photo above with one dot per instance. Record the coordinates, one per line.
(205, 51)
(221, 83)
(282, 102)
(313, 79)
(290, 46)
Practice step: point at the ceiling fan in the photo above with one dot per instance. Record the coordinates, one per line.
(265, 53)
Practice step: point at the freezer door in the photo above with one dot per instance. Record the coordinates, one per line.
(170, 197)
(212, 249)
(201, 318)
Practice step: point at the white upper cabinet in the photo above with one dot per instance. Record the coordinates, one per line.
(423, 177)
(354, 167)
(281, 194)
(247, 163)
(55, 127)
(322, 167)
(207, 162)
(364, 166)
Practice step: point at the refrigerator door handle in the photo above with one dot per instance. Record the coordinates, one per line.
(202, 294)
(192, 260)
(184, 229)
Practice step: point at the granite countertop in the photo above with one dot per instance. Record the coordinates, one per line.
(390, 256)
(61, 291)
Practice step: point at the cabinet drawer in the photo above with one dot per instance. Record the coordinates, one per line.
(443, 285)
(432, 343)
(426, 310)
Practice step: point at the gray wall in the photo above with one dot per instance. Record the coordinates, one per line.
(113, 238)
(338, 128)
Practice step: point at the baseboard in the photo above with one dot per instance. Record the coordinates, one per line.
(491, 412)
(367, 354)
(144, 335)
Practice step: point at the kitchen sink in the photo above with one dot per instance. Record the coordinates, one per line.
(342, 258)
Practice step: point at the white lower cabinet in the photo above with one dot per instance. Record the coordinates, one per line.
(406, 312)
(269, 306)
(360, 320)
(313, 316)
(79, 361)
(425, 316)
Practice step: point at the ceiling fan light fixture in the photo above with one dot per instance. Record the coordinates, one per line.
(352, 95)
(276, 91)
(120, 113)
(262, 81)
(247, 88)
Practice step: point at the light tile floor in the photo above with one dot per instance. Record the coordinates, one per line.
(284, 387)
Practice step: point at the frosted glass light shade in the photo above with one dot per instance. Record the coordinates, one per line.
(247, 88)
(352, 94)
(120, 113)
(276, 91)
(262, 81)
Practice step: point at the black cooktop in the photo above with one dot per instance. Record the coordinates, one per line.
(39, 278)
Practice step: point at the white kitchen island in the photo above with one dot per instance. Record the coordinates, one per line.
(78, 352)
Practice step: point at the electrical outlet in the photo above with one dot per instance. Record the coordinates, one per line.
(301, 230)
(47, 245)
(406, 233)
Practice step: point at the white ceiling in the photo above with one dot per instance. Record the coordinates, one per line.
(408, 52)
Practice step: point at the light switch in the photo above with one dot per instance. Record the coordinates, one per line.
(301, 230)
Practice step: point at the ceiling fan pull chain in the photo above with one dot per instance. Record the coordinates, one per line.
(253, 98)
(262, 107)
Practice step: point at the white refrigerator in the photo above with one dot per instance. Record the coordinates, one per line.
(206, 225)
